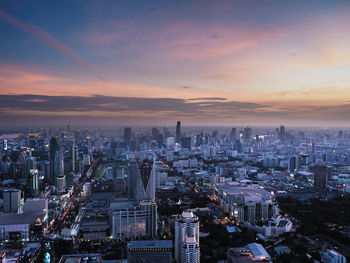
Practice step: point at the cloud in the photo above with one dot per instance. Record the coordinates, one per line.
(207, 99)
(43, 36)
(142, 111)
(98, 103)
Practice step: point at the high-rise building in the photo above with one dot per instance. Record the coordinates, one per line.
(320, 179)
(178, 132)
(34, 182)
(187, 238)
(61, 184)
(294, 163)
(87, 189)
(142, 181)
(186, 142)
(134, 220)
(74, 157)
(132, 179)
(190, 250)
(247, 134)
(56, 162)
(127, 135)
(282, 134)
(150, 251)
(13, 201)
(233, 134)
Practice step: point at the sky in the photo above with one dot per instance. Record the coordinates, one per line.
(95, 62)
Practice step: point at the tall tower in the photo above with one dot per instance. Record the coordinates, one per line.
(56, 161)
(74, 157)
(187, 238)
(178, 132)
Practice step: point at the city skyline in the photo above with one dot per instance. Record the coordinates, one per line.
(153, 62)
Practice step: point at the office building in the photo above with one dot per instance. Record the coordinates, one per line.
(56, 162)
(150, 251)
(247, 134)
(127, 135)
(61, 184)
(34, 182)
(186, 142)
(187, 238)
(282, 134)
(233, 135)
(13, 201)
(134, 220)
(142, 181)
(74, 157)
(247, 203)
(178, 132)
(87, 189)
(320, 179)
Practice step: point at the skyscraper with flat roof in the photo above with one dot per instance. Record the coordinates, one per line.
(127, 135)
(320, 179)
(178, 132)
(13, 201)
(56, 162)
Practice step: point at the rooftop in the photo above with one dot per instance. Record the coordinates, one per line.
(150, 244)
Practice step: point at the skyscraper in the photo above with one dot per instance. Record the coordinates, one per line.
(132, 178)
(247, 134)
(187, 238)
(320, 179)
(56, 162)
(178, 132)
(74, 157)
(34, 182)
(127, 135)
(142, 181)
(233, 134)
(282, 134)
(13, 201)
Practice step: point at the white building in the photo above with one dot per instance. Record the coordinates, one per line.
(187, 238)
(332, 256)
(275, 227)
(247, 203)
(132, 220)
(190, 250)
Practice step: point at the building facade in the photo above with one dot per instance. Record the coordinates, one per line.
(187, 238)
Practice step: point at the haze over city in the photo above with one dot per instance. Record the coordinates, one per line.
(153, 62)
